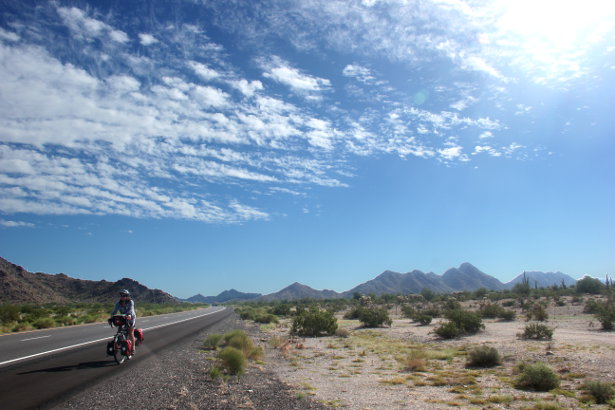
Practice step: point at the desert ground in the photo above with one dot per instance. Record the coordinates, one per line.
(406, 366)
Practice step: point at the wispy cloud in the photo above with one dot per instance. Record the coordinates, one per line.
(15, 224)
(282, 72)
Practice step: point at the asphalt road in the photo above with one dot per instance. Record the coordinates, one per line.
(39, 369)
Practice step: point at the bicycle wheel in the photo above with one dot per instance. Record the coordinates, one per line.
(117, 350)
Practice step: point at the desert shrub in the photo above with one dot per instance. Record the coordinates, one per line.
(447, 330)
(537, 312)
(491, 311)
(602, 392)
(9, 313)
(423, 319)
(374, 317)
(408, 311)
(66, 321)
(536, 376)
(591, 306)
(432, 311)
(604, 312)
(467, 322)
(266, 318)
(282, 309)
(212, 341)
(233, 360)
(484, 356)
(241, 341)
(537, 331)
(314, 322)
(44, 323)
(215, 372)
(508, 315)
(353, 314)
(416, 361)
(589, 285)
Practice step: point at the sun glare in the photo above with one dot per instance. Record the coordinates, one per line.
(552, 36)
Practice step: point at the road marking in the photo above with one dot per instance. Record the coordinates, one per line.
(35, 338)
(100, 340)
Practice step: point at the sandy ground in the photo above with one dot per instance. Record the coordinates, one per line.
(369, 368)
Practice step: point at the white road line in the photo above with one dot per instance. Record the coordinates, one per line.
(35, 338)
(99, 340)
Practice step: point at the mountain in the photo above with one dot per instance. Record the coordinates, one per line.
(542, 279)
(231, 295)
(394, 282)
(17, 285)
(300, 291)
(468, 277)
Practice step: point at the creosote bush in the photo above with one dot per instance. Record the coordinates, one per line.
(483, 356)
(537, 331)
(212, 341)
(537, 377)
(233, 360)
(601, 392)
(314, 322)
(374, 317)
(460, 323)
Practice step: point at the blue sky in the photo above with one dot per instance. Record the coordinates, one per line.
(198, 146)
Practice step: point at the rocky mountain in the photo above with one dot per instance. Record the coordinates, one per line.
(468, 277)
(542, 279)
(230, 295)
(300, 291)
(17, 285)
(394, 282)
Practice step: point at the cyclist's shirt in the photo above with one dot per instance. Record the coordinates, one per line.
(126, 309)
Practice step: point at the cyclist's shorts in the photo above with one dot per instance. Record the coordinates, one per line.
(132, 322)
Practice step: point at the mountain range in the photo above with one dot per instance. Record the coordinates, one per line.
(17, 285)
(20, 286)
(464, 278)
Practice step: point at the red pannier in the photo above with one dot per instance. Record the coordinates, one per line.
(139, 336)
(118, 320)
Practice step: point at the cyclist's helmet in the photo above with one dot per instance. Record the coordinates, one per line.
(124, 292)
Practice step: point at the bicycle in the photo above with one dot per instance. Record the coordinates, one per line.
(121, 347)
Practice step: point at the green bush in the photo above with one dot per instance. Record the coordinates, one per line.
(508, 315)
(9, 314)
(490, 311)
(484, 356)
(212, 341)
(538, 312)
(467, 322)
(537, 331)
(44, 323)
(374, 317)
(536, 376)
(314, 322)
(605, 314)
(423, 319)
(589, 285)
(447, 330)
(408, 311)
(353, 313)
(241, 341)
(602, 392)
(233, 360)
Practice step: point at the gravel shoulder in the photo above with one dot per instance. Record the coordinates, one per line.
(178, 378)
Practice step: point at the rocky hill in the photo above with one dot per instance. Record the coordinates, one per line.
(300, 291)
(231, 295)
(17, 285)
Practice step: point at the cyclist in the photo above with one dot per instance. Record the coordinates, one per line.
(126, 306)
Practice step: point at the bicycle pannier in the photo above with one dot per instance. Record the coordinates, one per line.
(139, 336)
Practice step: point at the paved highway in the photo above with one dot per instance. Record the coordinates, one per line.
(38, 369)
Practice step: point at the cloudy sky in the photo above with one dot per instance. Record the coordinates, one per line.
(198, 146)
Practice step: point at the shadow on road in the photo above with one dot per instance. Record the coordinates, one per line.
(80, 366)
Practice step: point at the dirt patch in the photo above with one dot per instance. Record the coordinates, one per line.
(407, 366)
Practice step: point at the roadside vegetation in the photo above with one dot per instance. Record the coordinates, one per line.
(372, 336)
(21, 317)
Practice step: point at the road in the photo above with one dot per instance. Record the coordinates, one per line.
(38, 369)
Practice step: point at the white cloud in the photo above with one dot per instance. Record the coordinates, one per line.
(247, 88)
(16, 224)
(361, 73)
(203, 71)
(147, 39)
(86, 27)
(8, 35)
(280, 71)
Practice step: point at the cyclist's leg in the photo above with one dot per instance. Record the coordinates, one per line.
(131, 334)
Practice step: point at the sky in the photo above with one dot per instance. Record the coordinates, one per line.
(198, 146)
